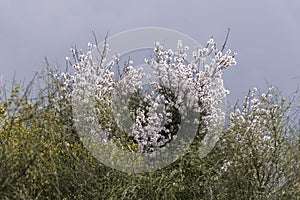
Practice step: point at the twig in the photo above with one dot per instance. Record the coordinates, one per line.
(226, 39)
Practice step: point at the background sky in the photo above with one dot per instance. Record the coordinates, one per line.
(265, 34)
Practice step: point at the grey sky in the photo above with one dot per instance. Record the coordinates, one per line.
(264, 33)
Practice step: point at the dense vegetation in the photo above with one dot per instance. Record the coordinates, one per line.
(42, 157)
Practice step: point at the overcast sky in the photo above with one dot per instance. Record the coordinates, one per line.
(265, 33)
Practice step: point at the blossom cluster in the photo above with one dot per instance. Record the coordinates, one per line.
(150, 116)
(257, 114)
(259, 129)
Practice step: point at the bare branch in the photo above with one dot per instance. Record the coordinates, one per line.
(226, 39)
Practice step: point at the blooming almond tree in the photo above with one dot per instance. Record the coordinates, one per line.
(144, 119)
(259, 153)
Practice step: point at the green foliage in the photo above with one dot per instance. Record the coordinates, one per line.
(42, 156)
(259, 154)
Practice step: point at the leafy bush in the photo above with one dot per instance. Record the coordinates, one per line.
(43, 157)
(259, 153)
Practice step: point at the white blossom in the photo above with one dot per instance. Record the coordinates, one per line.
(176, 89)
